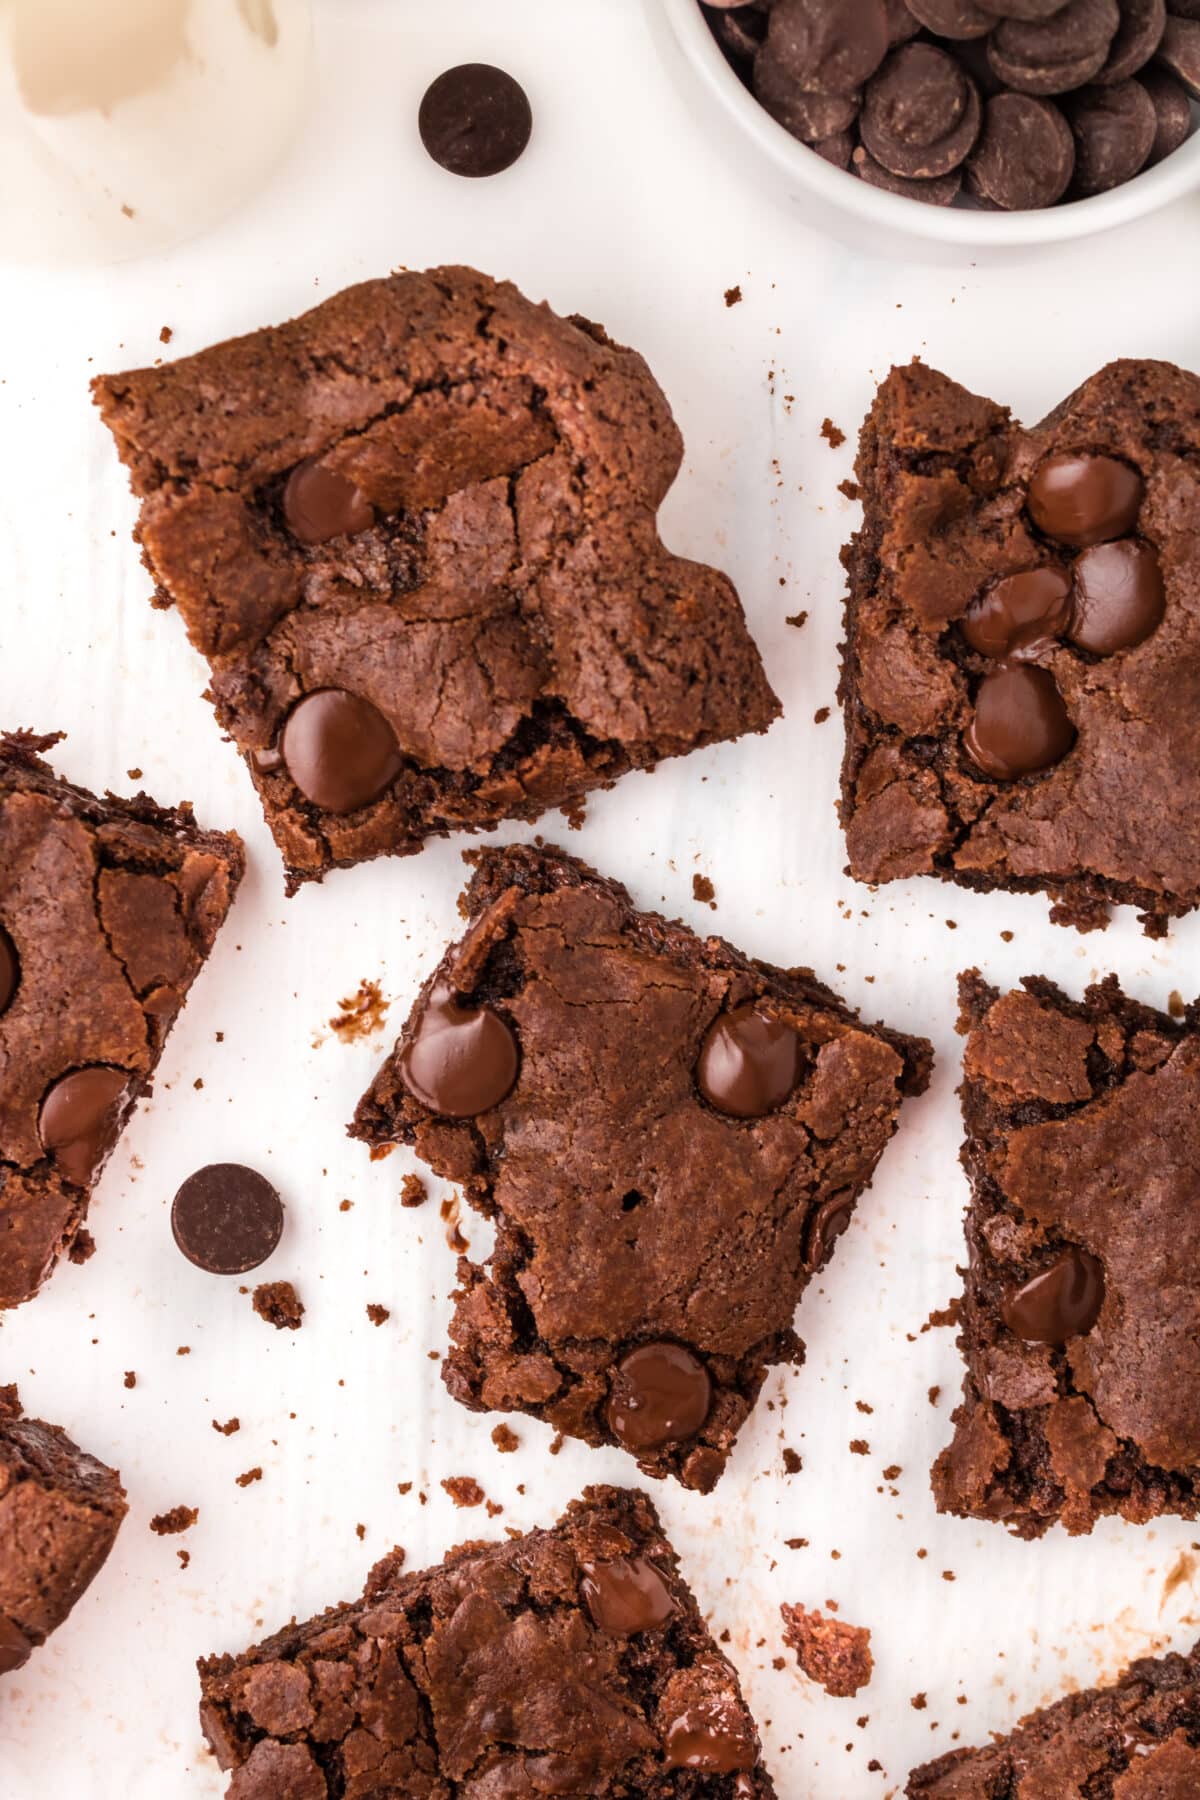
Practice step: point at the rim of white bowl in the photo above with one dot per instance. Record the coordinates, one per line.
(1174, 177)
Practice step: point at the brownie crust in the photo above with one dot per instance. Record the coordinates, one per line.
(499, 601)
(1136, 1740)
(628, 1210)
(1083, 1153)
(108, 909)
(512, 1669)
(946, 480)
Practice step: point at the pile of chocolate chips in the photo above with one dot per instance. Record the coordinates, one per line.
(1017, 103)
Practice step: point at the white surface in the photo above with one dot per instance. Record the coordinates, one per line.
(622, 209)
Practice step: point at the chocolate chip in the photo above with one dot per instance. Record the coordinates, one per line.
(1119, 596)
(1030, 10)
(827, 46)
(81, 1119)
(320, 504)
(1020, 723)
(748, 1063)
(1114, 129)
(710, 1736)
(1025, 155)
(459, 1061)
(475, 120)
(1019, 615)
(902, 22)
(1138, 37)
(15, 1647)
(1179, 52)
(10, 970)
(942, 191)
(1172, 112)
(661, 1395)
(626, 1595)
(227, 1218)
(1061, 1302)
(739, 30)
(1081, 499)
(921, 114)
(808, 117)
(339, 750)
(955, 19)
(828, 1223)
(837, 149)
(1054, 55)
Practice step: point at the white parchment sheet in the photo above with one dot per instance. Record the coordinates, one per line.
(621, 209)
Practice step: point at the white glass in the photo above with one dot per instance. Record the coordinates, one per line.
(126, 125)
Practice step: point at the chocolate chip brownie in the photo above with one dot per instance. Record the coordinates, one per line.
(1136, 1740)
(414, 534)
(1021, 672)
(108, 909)
(1081, 1320)
(668, 1136)
(60, 1511)
(570, 1661)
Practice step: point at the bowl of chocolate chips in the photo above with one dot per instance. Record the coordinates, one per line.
(967, 122)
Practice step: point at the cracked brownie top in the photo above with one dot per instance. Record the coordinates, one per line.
(1022, 665)
(571, 1661)
(414, 534)
(1081, 1321)
(668, 1136)
(108, 909)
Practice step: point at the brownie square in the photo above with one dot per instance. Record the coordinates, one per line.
(413, 532)
(108, 909)
(668, 1136)
(1021, 671)
(60, 1511)
(1081, 1318)
(1136, 1740)
(570, 1661)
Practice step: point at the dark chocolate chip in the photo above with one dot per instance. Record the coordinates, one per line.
(15, 1647)
(1119, 596)
(1172, 112)
(1139, 35)
(459, 1061)
(711, 1736)
(81, 1118)
(1061, 1302)
(661, 1395)
(626, 1595)
(1025, 155)
(943, 190)
(340, 750)
(955, 19)
(1019, 615)
(902, 22)
(320, 504)
(807, 116)
(739, 30)
(475, 120)
(828, 1223)
(1114, 130)
(1032, 11)
(1054, 55)
(827, 46)
(1179, 52)
(1081, 499)
(10, 970)
(227, 1218)
(837, 149)
(1021, 724)
(748, 1063)
(921, 113)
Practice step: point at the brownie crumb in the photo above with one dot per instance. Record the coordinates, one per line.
(797, 619)
(796, 1543)
(918, 1702)
(892, 1472)
(413, 1191)
(505, 1439)
(1175, 1004)
(279, 1304)
(345, 1205)
(704, 891)
(575, 813)
(185, 1557)
(835, 1655)
(249, 1476)
(555, 1444)
(820, 716)
(859, 1447)
(942, 1316)
(732, 295)
(134, 774)
(360, 1532)
(10, 1401)
(378, 1315)
(793, 1462)
(184, 1350)
(82, 1246)
(164, 337)
(834, 436)
(130, 1378)
(360, 1015)
(494, 1508)
(404, 1487)
(463, 1490)
(849, 488)
(934, 1394)
(180, 1518)
(228, 1428)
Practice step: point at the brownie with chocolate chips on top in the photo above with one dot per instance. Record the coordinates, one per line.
(668, 1136)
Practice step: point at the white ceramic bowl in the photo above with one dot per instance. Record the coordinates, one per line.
(868, 215)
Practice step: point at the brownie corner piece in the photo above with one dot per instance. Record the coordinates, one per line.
(572, 1660)
(1136, 1739)
(415, 539)
(1081, 1315)
(108, 909)
(60, 1511)
(1022, 649)
(669, 1138)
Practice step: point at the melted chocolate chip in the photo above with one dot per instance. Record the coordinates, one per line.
(626, 1595)
(710, 1737)
(1020, 723)
(459, 1061)
(227, 1218)
(1062, 1302)
(1020, 614)
(748, 1063)
(15, 1647)
(828, 1223)
(475, 120)
(10, 970)
(1083, 500)
(340, 750)
(1119, 596)
(320, 504)
(661, 1394)
(80, 1119)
